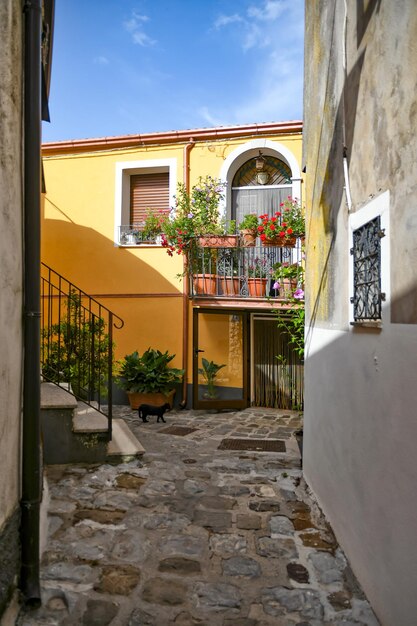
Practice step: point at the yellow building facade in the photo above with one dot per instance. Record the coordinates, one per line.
(87, 208)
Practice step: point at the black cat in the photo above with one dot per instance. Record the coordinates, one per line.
(149, 409)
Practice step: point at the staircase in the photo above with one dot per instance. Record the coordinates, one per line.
(74, 432)
(77, 363)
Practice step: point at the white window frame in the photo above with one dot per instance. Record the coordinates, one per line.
(378, 206)
(126, 169)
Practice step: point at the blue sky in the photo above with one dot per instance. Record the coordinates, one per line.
(124, 66)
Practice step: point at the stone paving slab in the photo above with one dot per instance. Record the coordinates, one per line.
(193, 535)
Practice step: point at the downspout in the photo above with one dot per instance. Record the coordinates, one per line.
(31, 441)
(345, 155)
(185, 301)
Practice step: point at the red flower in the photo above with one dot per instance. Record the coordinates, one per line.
(272, 226)
(273, 219)
(289, 231)
(282, 233)
(262, 237)
(260, 229)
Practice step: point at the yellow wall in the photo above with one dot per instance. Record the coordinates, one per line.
(221, 339)
(78, 239)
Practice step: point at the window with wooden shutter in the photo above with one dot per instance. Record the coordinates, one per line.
(148, 191)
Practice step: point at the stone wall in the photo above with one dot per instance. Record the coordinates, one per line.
(9, 558)
(10, 287)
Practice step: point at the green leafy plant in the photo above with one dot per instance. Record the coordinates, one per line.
(209, 371)
(292, 215)
(229, 227)
(68, 346)
(259, 268)
(194, 214)
(290, 271)
(250, 222)
(289, 279)
(154, 225)
(292, 323)
(148, 373)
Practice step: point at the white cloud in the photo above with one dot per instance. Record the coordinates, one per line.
(142, 39)
(225, 20)
(134, 26)
(208, 117)
(134, 22)
(255, 37)
(269, 11)
(100, 60)
(271, 39)
(265, 23)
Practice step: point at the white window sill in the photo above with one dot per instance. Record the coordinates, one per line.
(374, 324)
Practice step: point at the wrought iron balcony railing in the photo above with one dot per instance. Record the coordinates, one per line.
(246, 272)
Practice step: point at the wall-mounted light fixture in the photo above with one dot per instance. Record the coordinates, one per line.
(262, 176)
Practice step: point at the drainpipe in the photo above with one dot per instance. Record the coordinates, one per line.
(31, 446)
(185, 298)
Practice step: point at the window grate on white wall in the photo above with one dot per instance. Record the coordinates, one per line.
(366, 251)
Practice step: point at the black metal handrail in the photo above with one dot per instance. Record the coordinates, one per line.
(77, 350)
(222, 272)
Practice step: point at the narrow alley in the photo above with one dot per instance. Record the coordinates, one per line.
(193, 534)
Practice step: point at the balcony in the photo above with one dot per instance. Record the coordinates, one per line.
(134, 235)
(242, 273)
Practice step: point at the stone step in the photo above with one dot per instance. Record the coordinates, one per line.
(54, 397)
(74, 432)
(87, 420)
(124, 444)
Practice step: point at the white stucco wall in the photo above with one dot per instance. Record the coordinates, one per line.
(10, 254)
(360, 419)
(360, 456)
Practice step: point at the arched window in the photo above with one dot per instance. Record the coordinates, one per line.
(259, 186)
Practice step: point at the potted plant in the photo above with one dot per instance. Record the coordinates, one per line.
(258, 273)
(196, 218)
(293, 216)
(287, 276)
(273, 231)
(223, 235)
(131, 238)
(154, 225)
(202, 266)
(148, 378)
(209, 371)
(248, 229)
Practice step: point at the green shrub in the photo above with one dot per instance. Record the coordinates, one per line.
(148, 373)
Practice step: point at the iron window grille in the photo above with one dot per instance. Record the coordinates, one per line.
(366, 251)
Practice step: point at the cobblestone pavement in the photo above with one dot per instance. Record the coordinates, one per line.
(195, 536)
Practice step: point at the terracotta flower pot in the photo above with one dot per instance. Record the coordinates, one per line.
(157, 399)
(230, 286)
(205, 284)
(247, 238)
(218, 241)
(257, 287)
(281, 242)
(287, 287)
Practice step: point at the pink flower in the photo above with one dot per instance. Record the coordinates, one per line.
(276, 285)
(299, 294)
